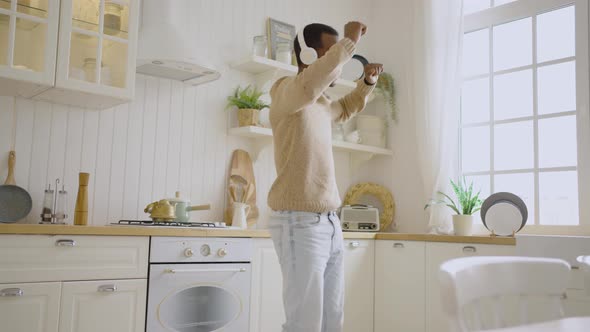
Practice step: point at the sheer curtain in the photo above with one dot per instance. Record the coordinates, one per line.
(437, 48)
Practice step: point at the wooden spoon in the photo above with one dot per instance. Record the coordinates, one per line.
(11, 161)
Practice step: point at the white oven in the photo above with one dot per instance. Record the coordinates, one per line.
(199, 285)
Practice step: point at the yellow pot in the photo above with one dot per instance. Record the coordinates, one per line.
(248, 117)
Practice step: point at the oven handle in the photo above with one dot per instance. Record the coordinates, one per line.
(202, 270)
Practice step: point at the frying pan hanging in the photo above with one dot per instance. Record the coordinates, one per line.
(15, 202)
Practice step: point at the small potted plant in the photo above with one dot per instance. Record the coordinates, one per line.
(248, 102)
(468, 204)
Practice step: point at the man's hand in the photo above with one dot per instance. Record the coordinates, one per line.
(354, 31)
(372, 72)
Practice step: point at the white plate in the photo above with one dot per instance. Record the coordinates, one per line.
(504, 213)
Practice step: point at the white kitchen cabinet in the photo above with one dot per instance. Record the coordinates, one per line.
(266, 296)
(359, 271)
(104, 305)
(28, 46)
(96, 53)
(35, 258)
(30, 307)
(74, 52)
(399, 286)
(438, 253)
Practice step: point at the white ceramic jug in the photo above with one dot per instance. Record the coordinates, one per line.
(241, 211)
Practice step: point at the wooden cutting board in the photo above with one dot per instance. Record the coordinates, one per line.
(241, 174)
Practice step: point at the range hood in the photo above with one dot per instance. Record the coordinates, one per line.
(164, 48)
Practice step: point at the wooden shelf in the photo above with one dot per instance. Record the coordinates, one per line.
(263, 66)
(266, 133)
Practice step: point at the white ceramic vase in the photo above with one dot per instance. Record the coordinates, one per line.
(240, 217)
(463, 224)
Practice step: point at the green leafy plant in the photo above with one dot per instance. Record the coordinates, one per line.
(246, 98)
(468, 202)
(386, 87)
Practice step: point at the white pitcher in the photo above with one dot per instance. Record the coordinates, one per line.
(241, 211)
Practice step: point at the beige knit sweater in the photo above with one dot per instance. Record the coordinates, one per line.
(301, 117)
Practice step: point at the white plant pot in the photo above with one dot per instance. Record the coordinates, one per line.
(463, 225)
(370, 123)
(373, 139)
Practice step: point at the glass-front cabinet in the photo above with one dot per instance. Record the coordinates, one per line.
(96, 55)
(28, 46)
(81, 51)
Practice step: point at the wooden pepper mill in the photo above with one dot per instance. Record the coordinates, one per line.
(81, 212)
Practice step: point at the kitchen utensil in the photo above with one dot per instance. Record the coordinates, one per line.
(355, 68)
(48, 197)
(81, 211)
(15, 202)
(54, 211)
(504, 214)
(240, 215)
(161, 211)
(358, 195)
(183, 207)
(241, 174)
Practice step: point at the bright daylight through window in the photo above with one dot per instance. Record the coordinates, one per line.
(524, 112)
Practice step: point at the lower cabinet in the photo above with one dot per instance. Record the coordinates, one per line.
(399, 286)
(266, 298)
(359, 272)
(30, 307)
(438, 253)
(80, 306)
(103, 305)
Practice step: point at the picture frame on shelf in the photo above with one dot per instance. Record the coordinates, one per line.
(278, 32)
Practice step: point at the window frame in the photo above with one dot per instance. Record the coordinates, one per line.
(521, 9)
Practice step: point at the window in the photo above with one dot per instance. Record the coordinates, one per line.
(524, 105)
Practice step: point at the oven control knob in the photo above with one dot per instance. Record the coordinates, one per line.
(222, 252)
(188, 252)
(205, 250)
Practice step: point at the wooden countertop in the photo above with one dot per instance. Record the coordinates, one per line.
(253, 233)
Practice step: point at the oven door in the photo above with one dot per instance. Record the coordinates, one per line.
(198, 297)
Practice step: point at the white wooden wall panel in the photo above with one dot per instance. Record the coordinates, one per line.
(171, 137)
(133, 155)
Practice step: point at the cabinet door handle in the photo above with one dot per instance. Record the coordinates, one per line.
(398, 245)
(65, 243)
(354, 244)
(469, 249)
(574, 267)
(11, 292)
(107, 288)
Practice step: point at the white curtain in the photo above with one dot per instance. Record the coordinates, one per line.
(437, 48)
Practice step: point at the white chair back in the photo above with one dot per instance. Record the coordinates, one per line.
(477, 291)
(585, 267)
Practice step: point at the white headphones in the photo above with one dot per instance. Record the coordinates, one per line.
(307, 55)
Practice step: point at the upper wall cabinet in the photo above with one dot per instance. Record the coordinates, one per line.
(96, 50)
(28, 46)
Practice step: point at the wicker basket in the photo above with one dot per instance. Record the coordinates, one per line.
(248, 117)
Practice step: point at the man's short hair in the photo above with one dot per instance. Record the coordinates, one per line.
(313, 37)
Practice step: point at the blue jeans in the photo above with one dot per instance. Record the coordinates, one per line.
(310, 251)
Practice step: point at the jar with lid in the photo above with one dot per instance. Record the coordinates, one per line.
(90, 72)
(259, 46)
(112, 18)
(283, 53)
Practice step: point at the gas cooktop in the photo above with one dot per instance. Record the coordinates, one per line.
(150, 223)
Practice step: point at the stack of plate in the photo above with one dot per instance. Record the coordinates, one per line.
(371, 130)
